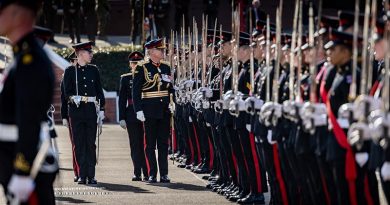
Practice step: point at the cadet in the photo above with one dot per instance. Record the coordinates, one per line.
(151, 96)
(72, 58)
(84, 92)
(27, 83)
(129, 121)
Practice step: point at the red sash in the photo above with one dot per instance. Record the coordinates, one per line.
(341, 137)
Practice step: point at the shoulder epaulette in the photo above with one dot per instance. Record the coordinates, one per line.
(126, 74)
(141, 63)
(165, 62)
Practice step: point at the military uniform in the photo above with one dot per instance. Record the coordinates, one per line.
(72, 17)
(151, 94)
(84, 81)
(134, 126)
(28, 82)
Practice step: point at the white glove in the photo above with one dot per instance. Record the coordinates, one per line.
(101, 115)
(269, 137)
(65, 122)
(189, 119)
(122, 123)
(21, 187)
(248, 127)
(361, 158)
(172, 107)
(385, 171)
(141, 116)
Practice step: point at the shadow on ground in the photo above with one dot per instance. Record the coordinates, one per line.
(180, 186)
(122, 188)
(72, 200)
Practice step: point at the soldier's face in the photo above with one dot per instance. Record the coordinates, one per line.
(157, 53)
(380, 48)
(337, 55)
(85, 56)
(226, 49)
(6, 20)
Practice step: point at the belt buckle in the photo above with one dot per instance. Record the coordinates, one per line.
(84, 99)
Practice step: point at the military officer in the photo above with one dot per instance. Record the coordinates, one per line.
(72, 58)
(28, 82)
(84, 92)
(129, 121)
(151, 97)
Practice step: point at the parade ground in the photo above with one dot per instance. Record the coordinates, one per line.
(114, 173)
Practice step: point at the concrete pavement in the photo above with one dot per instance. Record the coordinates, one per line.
(114, 174)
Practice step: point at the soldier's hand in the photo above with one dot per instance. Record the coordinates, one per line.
(122, 123)
(248, 127)
(21, 187)
(269, 138)
(172, 107)
(101, 115)
(361, 158)
(385, 171)
(65, 122)
(141, 116)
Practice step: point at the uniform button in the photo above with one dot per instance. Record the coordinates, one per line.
(84, 78)
(161, 100)
(85, 85)
(85, 93)
(82, 69)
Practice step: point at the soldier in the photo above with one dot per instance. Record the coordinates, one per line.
(137, 22)
(89, 13)
(129, 121)
(72, 58)
(27, 83)
(72, 17)
(103, 14)
(86, 101)
(151, 96)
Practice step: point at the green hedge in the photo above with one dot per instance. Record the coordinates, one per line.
(111, 61)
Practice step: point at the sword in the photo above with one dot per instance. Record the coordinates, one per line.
(99, 131)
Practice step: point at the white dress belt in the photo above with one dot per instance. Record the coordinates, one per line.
(8, 133)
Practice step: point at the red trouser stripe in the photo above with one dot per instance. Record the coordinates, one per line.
(174, 144)
(146, 156)
(191, 149)
(197, 143)
(75, 162)
(234, 158)
(256, 162)
(33, 199)
(279, 176)
(367, 192)
(325, 188)
(211, 147)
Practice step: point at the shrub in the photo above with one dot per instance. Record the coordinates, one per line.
(111, 61)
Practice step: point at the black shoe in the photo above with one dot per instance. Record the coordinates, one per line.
(165, 179)
(91, 181)
(75, 178)
(181, 165)
(71, 41)
(136, 178)
(81, 181)
(152, 179)
(252, 199)
(203, 170)
(206, 177)
(145, 178)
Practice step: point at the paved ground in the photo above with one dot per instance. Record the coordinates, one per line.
(114, 174)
